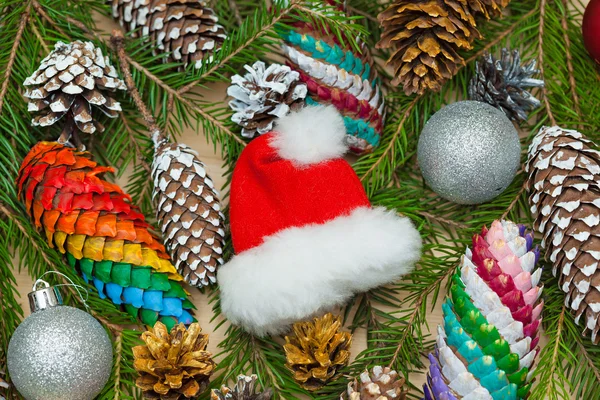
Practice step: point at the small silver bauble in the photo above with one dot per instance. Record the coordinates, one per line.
(58, 352)
(469, 152)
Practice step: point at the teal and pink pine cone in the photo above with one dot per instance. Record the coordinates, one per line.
(488, 342)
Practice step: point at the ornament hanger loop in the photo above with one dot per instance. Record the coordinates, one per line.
(78, 288)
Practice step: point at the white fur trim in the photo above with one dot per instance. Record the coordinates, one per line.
(310, 135)
(302, 271)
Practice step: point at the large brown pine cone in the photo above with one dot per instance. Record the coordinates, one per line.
(380, 384)
(186, 29)
(69, 81)
(317, 351)
(425, 37)
(564, 180)
(189, 212)
(173, 366)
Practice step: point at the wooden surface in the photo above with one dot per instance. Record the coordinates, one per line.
(196, 140)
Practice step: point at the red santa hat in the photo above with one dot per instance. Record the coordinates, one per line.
(304, 233)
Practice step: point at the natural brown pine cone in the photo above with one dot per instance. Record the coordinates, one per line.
(243, 390)
(71, 79)
(564, 180)
(175, 365)
(381, 384)
(189, 212)
(263, 95)
(186, 29)
(425, 37)
(317, 351)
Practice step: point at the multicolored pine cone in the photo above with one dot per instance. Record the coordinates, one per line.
(335, 75)
(488, 343)
(102, 234)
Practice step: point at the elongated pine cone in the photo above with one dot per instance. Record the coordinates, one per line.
(102, 234)
(425, 37)
(487, 346)
(173, 366)
(503, 84)
(188, 212)
(264, 94)
(69, 81)
(338, 74)
(317, 351)
(188, 30)
(382, 383)
(564, 181)
(245, 389)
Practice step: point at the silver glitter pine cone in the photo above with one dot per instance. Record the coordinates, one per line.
(264, 94)
(469, 152)
(69, 81)
(504, 83)
(58, 353)
(188, 212)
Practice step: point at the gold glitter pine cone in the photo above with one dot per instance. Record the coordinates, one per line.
(173, 366)
(317, 351)
(382, 383)
(245, 389)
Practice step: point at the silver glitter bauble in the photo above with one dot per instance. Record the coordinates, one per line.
(59, 353)
(469, 152)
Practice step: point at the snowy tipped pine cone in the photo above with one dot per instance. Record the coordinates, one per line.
(564, 182)
(264, 94)
(378, 384)
(188, 212)
(69, 81)
(188, 30)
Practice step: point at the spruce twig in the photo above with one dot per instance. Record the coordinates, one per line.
(541, 61)
(13, 54)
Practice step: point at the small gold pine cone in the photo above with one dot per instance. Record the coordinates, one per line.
(173, 366)
(381, 384)
(317, 351)
(243, 390)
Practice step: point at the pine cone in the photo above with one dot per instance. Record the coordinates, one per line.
(71, 79)
(380, 384)
(503, 83)
(262, 95)
(188, 212)
(425, 37)
(172, 366)
(187, 30)
(317, 351)
(337, 74)
(104, 236)
(487, 345)
(564, 180)
(243, 390)
(487, 8)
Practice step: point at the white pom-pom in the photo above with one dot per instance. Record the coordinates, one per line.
(311, 135)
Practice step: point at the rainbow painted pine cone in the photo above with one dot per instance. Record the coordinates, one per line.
(102, 234)
(487, 346)
(338, 75)
(564, 180)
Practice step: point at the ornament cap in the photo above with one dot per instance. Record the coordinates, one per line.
(46, 297)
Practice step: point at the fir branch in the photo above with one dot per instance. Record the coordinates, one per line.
(118, 358)
(13, 53)
(572, 82)
(541, 60)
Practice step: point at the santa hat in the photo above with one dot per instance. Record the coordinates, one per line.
(305, 235)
